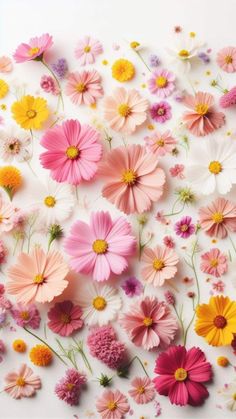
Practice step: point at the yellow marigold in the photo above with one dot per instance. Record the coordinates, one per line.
(19, 345)
(123, 70)
(4, 88)
(10, 179)
(41, 355)
(30, 112)
(222, 361)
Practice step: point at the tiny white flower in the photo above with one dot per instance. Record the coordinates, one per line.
(229, 394)
(15, 144)
(185, 50)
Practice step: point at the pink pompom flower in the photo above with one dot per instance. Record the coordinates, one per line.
(182, 374)
(143, 390)
(229, 98)
(112, 405)
(73, 151)
(160, 144)
(49, 85)
(160, 112)
(34, 50)
(218, 218)
(87, 49)
(162, 83)
(214, 263)
(26, 316)
(226, 59)
(69, 387)
(65, 318)
(177, 171)
(23, 383)
(102, 247)
(160, 265)
(84, 87)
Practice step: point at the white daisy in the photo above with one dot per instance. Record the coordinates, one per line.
(229, 394)
(100, 304)
(185, 50)
(15, 144)
(212, 166)
(55, 204)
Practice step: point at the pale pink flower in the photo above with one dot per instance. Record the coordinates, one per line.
(23, 383)
(160, 265)
(162, 83)
(226, 59)
(149, 323)
(112, 405)
(160, 144)
(34, 49)
(177, 171)
(125, 110)
(49, 85)
(84, 87)
(133, 179)
(218, 286)
(218, 218)
(160, 217)
(214, 263)
(87, 49)
(143, 390)
(5, 65)
(7, 213)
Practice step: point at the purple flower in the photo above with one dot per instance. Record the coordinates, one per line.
(132, 287)
(184, 228)
(69, 387)
(60, 68)
(154, 60)
(26, 316)
(160, 111)
(228, 99)
(204, 57)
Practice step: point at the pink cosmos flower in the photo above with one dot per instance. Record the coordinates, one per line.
(65, 318)
(160, 112)
(202, 119)
(112, 405)
(150, 323)
(218, 218)
(162, 83)
(229, 98)
(218, 286)
(125, 110)
(87, 49)
(34, 50)
(102, 247)
(69, 387)
(37, 277)
(214, 263)
(160, 265)
(142, 391)
(182, 375)
(133, 179)
(49, 85)
(226, 59)
(73, 152)
(23, 383)
(26, 316)
(7, 213)
(177, 171)
(184, 228)
(160, 144)
(84, 87)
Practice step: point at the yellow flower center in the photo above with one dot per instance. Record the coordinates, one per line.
(72, 152)
(70, 386)
(65, 318)
(217, 217)
(124, 110)
(80, 88)
(112, 406)
(99, 303)
(129, 176)
(228, 59)
(87, 48)
(31, 113)
(214, 263)
(38, 279)
(183, 53)
(234, 396)
(141, 390)
(161, 81)
(147, 321)
(201, 108)
(49, 201)
(20, 382)
(181, 374)
(33, 51)
(158, 264)
(184, 227)
(215, 167)
(25, 315)
(100, 246)
(160, 142)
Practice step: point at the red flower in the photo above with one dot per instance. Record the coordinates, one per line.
(65, 318)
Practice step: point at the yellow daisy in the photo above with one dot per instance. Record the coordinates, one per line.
(123, 70)
(10, 179)
(30, 112)
(4, 88)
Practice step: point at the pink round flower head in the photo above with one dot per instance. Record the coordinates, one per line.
(23, 383)
(34, 50)
(218, 218)
(87, 49)
(84, 87)
(49, 85)
(26, 316)
(177, 171)
(226, 59)
(182, 374)
(133, 179)
(150, 323)
(65, 318)
(69, 387)
(142, 390)
(160, 144)
(214, 263)
(162, 83)
(112, 405)
(229, 98)
(102, 247)
(73, 151)
(160, 112)
(160, 265)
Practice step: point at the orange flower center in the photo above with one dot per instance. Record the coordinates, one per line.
(184, 227)
(100, 246)
(161, 81)
(147, 321)
(234, 396)
(87, 48)
(220, 322)
(214, 263)
(158, 264)
(217, 217)
(112, 406)
(38, 279)
(160, 142)
(31, 113)
(215, 167)
(201, 109)
(161, 111)
(141, 390)
(70, 386)
(99, 303)
(65, 318)
(72, 152)
(50, 201)
(183, 53)
(181, 374)
(20, 382)
(228, 59)
(25, 315)
(124, 110)
(129, 177)
(33, 51)
(81, 87)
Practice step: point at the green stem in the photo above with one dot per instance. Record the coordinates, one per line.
(79, 348)
(56, 79)
(231, 241)
(176, 212)
(139, 360)
(180, 320)
(143, 61)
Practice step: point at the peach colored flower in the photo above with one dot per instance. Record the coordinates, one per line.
(23, 383)
(7, 214)
(226, 59)
(160, 265)
(142, 390)
(218, 218)
(5, 65)
(160, 144)
(84, 87)
(112, 405)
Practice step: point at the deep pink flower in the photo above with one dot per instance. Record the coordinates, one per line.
(132, 287)
(2, 289)
(169, 297)
(87, 49)
(65, 318)
(2, 347)
(162, 83)
(49, 85)
(182, 374)
(226, 59)
(142, 390)
(184, 228)
(84, 87)
(214, 263)
(160, 112)
(112, 405)
(69, 387)
(177, 171)
(26, 316)
(73, 151)
(160, 143)
(102, 247)
(34, 49)
(3, 252)
(229, 98)
(169, 242)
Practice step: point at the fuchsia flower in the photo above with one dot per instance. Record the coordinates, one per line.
(26, 316)
(218, 218)
(160, 144)
(87, 49)
(184, 228)
(84, 87)
(23, 383)
(162, 83)
(214, 263)
(160, 265)
(226, 59)
(132, 287)
(49, 85)
(142, 391)
(69, 387)
(182, 375)
(112, 405)
(65, 318)
(169, 242)
(149, 323)
(102, 247)
(160, 112)
(34, 50)
(73, 151)
(229, 98)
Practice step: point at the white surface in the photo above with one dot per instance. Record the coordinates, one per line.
(151, 22)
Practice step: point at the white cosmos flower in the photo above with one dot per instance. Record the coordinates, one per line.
(212, 166)
(55, 202)
(229, 394)
(185, 50)
(14, 144)
(100, 304)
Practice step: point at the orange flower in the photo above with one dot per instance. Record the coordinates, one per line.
(41, 355)
(19, 345)
(10, 179)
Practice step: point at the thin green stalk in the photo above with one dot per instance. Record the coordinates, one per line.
(143, 61)
(79, 348)
(139, 360)
(231, 241)
(180, 320)
(56, 79)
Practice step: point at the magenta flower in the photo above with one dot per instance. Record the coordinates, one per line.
(65, 318)
(160, 112)
(229, 98)
(87, 49)
(34, 50)
(132, 287)
(184, 228)
(69, 387)
(182, 375)
(162, 83)
(26, 316)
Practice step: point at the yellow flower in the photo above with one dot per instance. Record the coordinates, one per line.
(41, 355)
(105, 62)
(30, 112)
(3, 107)
(10, 179)
(123, 70)
(216, 320)
(134, 44)
(192, 34)
(4, 88)
(222, 361)
(19, 345)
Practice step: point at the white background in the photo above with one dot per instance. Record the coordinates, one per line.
(150, 22)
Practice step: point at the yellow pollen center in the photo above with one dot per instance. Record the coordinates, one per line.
(25, 315)
(158, 264)
(20, 382)
(217, 217)
(87, 48)
(31, 113)
(33, 51)
(70, 386)
(161, 81)
(201, 109)
(129, 176)
(72, 152)
(228, 59)
(234, 396)
(100, 246)
(112, 406)
(215, 167)
(80, 88)
(141, 390)
(184, 227)
(214, 263)
(183, 53)
(160, 142)
(99, 303)
(49, 201)
(147, 321)
(181, 374)
(65, 318)
(38, 279)
(124, 110)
